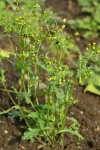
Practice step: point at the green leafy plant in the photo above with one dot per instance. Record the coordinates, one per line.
(46, 83)
(92, 78)
(8, 7)
(89, 26)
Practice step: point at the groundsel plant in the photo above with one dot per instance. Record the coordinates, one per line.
(46, 83)
(91, 75)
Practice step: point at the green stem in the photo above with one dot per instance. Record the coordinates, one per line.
(48, 103)
(36, 96)
(9, 94)
(11, 44)
(65, 108)
(20, 38)
(23, 115)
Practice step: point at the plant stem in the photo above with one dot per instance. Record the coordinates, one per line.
(48, 103)
(9, 94)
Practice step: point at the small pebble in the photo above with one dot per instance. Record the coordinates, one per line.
(22, 147)
(72, 113)
(79, 147)
(77, 39)
(81, 112)
(97, 129)
(5, 131)
(84, 129)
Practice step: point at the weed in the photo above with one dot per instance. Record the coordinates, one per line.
(92, 77)
(89, 26)
(43, 103)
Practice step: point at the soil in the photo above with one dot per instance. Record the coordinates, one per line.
(86, 111)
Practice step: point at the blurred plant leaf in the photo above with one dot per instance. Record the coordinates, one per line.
(32, 133)
(93, 89)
